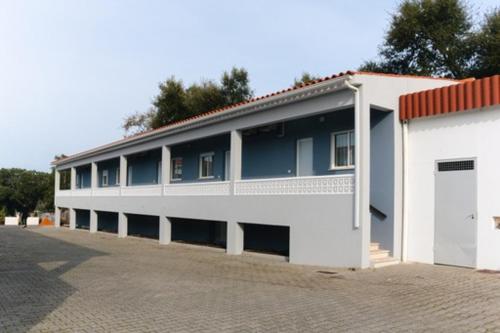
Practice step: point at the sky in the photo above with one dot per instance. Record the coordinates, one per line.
(72, 70)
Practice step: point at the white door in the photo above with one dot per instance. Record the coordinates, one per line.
(227, 165)
(455, 213)
(305, 157)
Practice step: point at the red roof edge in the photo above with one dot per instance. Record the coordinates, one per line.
(469, 94)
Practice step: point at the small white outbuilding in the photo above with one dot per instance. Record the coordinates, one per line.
(452, 178)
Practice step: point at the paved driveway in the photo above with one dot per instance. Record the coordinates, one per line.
(56, 280)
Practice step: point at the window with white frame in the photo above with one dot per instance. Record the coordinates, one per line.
(342, 150)
(117, 176)
(105, 178)
(177, 168)
(207, 165)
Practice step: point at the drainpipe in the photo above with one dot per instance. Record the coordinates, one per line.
(404, 243)
(357, 153)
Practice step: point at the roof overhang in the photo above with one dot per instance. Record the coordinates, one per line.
(264, 103)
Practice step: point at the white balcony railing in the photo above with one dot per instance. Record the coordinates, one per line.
(141, 191)
(341, 184)
(201, 189)
(332, 185)
(113, 191)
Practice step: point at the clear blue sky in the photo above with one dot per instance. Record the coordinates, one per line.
(71, 70)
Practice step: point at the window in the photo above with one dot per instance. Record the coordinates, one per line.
(177, 168)
(342, 154)
(207, 165)
(105, 178)
(117, 176)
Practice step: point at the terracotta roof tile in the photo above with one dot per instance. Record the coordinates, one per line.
(468, 94)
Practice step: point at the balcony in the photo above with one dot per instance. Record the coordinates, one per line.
(315, 185)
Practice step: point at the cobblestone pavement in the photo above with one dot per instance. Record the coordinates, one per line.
(57, 280)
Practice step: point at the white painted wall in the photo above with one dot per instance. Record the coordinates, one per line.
(11, 220)
(33, 221)
(459, 135)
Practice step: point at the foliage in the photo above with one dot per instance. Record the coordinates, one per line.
(3, 213)
(306, 77)
(437, 37)
(487, 46)
(174, 102)
(25, 190)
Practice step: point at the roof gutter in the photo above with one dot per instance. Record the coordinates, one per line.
(357, 153)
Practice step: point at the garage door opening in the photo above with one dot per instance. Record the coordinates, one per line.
(146, 226)
(107, 222)
(82, 219)
(64, 217)
(201, 232)
(265, 238)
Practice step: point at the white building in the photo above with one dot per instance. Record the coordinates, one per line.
(334, 173)
(453, 174)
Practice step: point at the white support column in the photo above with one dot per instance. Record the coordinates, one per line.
(235, 238)
(123, 171)
(57, 180)
(94, 178)
(122, 225)
(165, 230)
(93, 221)
(73, 178)
(57, 217)
(235, 163)
(72, 219)
(165, 165)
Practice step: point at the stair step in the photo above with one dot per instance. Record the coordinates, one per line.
(374, 246)
(379, 254)
(383, 262)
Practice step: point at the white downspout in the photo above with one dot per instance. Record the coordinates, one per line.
(357, 154)
(404, 243)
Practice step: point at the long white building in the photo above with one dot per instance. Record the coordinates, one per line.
(353, 170)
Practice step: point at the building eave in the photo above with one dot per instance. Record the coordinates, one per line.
(261, 104)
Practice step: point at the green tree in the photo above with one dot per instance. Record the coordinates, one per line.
(236, 86)
(170, 104)
(306, 77)
(437, 37)
(175, 102)
(487, 46)
(24, 190)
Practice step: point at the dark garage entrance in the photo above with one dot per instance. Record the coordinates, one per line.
(64, 217)
(82, 218)
(107, 222)
(203, 232)
(147, 226)
(267, 238)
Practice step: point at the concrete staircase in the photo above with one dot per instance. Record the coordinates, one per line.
(380, 257)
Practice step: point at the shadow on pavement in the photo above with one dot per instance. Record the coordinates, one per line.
(31, 266)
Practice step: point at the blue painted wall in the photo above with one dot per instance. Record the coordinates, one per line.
(267, 152)
(269, 155)
(190, 153)
(83, 173)
(111, 166)
(144, 167)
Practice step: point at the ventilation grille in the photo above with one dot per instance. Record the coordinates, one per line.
(456, 166)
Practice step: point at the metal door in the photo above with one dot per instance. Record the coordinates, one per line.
(305, 157)
(455, 213)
